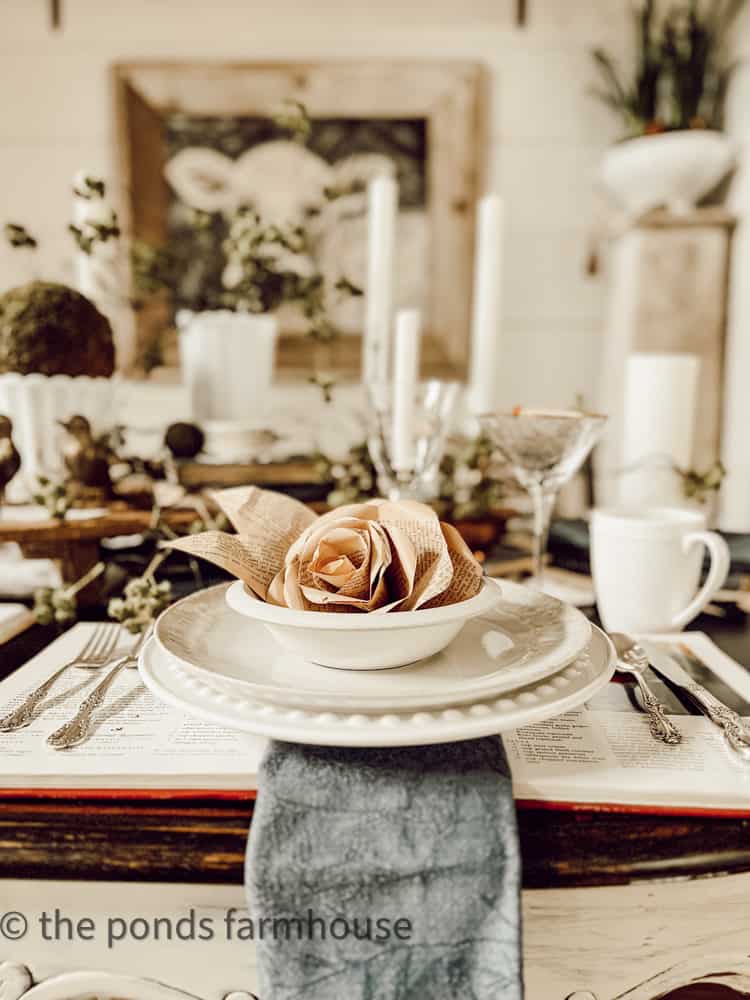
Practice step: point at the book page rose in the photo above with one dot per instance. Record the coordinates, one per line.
(345, 563)
(377, 555)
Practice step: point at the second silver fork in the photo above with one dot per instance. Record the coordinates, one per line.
(97, 652)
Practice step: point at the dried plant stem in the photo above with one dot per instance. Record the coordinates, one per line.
(85, 580)
(156, 562)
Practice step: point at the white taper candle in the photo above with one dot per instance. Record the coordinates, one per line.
(405, 379)
(382, 199)
(486, 310)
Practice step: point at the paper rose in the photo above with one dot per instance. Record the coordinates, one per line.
(377, 556)
(346, 560)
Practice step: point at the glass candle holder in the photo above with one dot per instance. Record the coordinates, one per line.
(406, 444)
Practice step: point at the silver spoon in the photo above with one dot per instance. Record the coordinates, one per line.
(632, 659)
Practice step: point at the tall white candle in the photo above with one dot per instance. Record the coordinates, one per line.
(486, 315)
(658, 426)
(382, 197)
(405, 379)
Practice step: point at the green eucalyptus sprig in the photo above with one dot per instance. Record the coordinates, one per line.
(471, 483)
(143, 599)
(292, 117)
(59, 605)
(19, 237)
(354, 476)
(265, 266)
(326, 383)
(54, 496)
(700, 485)
(90, 189)
(86, 237)
(93, 233)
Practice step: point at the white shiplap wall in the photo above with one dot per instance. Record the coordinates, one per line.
(547, 134)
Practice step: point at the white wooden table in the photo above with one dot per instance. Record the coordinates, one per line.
(601, 943)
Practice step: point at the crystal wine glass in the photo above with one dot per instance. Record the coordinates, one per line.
(544, 448)
(410, 474)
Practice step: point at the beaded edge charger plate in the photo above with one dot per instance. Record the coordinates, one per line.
(523, 639)
(566, 690)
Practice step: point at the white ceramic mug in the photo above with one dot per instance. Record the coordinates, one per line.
(646, 565)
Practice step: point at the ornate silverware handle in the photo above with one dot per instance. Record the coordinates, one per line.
(735, 728)
(76, 729)
(23, 715)
(661, 726)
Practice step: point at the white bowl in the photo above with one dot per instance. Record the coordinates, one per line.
(363, 641)
(675, 169)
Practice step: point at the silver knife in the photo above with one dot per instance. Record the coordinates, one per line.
(736, 730)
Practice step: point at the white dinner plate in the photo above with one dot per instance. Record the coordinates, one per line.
(566, 690)
(525, 638)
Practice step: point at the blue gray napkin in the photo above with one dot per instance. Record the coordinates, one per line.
(386, 874)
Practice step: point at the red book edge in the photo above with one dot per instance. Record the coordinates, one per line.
(245, 795)
(124, 794)
(628, 809)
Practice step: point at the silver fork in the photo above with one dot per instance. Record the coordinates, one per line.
(632, 659)
(96, 652)
(76, 730)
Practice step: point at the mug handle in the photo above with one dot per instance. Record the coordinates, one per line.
(717, 572)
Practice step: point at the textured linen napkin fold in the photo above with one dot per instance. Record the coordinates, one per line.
(419, 841)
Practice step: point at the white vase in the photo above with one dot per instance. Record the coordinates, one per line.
(227, 363)
(35, 403)
(672, 169)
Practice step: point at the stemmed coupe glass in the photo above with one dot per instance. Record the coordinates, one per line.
(544, 448)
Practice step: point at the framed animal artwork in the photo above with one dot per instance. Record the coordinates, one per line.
(201, 137)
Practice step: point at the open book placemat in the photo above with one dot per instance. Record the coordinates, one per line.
(601, 756)
(139, 742)
(604, 755)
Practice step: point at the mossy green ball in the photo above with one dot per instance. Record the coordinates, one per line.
(53, 330)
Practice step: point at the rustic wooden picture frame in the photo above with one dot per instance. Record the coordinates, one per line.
(448, 95)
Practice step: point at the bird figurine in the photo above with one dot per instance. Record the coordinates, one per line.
(87, 456)
(10, 460)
